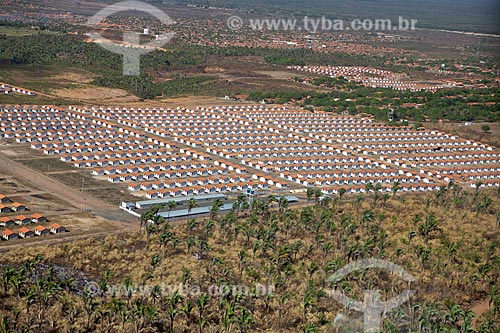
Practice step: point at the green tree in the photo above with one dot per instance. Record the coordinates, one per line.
(191, 203)
(485, 128)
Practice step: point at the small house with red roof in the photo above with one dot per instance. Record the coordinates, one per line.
(40, 230)
(4, 199)
(9, 235)
(26, 233)
(22, 219)
(56, 228)
(18, 207)
(38, 218)
(4, 209)
(6, 221)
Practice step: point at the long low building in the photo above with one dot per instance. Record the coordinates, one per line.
(194, 211)
(150, 203)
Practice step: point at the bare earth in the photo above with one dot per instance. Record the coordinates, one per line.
(95, 94)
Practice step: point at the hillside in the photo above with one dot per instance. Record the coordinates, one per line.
(291, 252)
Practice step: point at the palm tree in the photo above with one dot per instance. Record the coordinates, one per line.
(244, 319)
(155, 293)
(271, 199)
(201, 304)
(149, 214)
(191, 203)
(187, 309)
(484, 205)
(172, 310)
(5, 325)
(240, 201)
(369, 187)
(157, 220)
(495, 300)
(342, 191)
(215, 208)
(317, 195)
(326, 202)
(310, 193)
(358, 202)
(170, 205)
(395, 188)
(149, 230)
(89, 305)
(104, 282)
(7, 275)
(282, 204)
(164, 239)
(430, 224)
(18, 280)
(155, 261)
(309, 298)
(313, 268)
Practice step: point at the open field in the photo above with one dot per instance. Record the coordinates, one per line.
(473, 132)
(100, 94)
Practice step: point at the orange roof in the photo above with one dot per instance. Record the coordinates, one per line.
(8, 232)
(24, 230)
(5, 219)
(40, 228)
(36, 216)
(21, 217)
(55, 226)
(17, 204)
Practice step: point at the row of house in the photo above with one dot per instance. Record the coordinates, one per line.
(8, 205)
(277, 152)
(439, 155)
(10, 89)
(40, 230)
(6, 221)
(123, 155)
(370, 77)
(208, 189)
(361, 188)
(277, 142)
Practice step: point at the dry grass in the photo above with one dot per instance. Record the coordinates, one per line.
(93, 93)
(473, 132)
(446, 277)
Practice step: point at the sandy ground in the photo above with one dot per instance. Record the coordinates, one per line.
(192, 101)
(95, 94)
(73, 77)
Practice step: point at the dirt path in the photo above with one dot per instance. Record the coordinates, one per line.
(74, 197)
